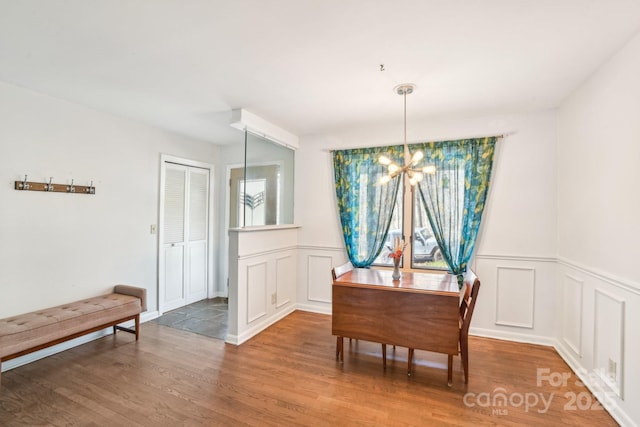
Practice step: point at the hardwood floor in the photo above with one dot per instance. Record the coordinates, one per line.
(287, 375)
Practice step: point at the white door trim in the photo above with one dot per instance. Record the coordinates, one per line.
(211, 271)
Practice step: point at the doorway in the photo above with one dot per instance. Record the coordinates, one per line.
(185, 239)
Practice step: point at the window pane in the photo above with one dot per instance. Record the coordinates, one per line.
(395, 230)
(425, 250)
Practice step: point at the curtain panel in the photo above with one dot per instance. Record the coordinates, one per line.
(365, 206)
(454, 196)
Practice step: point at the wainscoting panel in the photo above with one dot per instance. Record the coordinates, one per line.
(314, 276)
(515, 296)
(318, 277)
(285, 280)
(572, 303)
(256, 291)
(609, 312)
(608, 346)
(262, 279)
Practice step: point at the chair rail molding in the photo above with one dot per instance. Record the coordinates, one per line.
(322, 248)
(627, 285)
(530, 258)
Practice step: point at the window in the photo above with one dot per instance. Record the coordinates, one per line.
(425, 252)
(411, 223)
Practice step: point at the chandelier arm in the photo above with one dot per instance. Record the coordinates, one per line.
(409, 164)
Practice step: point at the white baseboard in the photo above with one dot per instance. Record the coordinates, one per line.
(256, 329)
(608, 403)
(312, 308)
(511, 336)
(41, 354)
(219, 294)
(49, 351)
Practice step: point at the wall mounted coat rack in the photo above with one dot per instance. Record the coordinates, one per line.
(55, 188)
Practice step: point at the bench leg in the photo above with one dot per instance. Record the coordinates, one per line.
(135, 331)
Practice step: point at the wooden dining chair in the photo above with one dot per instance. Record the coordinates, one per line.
(472, 287)
(341, 269)
(335, 273)
(467, 305)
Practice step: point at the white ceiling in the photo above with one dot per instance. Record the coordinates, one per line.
(308, 66)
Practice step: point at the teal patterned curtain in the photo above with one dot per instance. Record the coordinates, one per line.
(365, 206)
(454, 196)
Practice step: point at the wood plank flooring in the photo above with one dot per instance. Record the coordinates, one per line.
(286, 376)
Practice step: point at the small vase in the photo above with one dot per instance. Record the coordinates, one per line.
(396, 269)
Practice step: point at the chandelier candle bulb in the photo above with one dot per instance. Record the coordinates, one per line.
(384, 160)
(417, 156)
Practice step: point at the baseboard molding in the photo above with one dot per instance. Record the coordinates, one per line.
(609, 404)
(256, 329)
(219, 294)
(49, 351)
(312, 308)
(512, 336)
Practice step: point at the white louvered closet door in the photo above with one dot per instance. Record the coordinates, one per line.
(197, 232)
(185, 232)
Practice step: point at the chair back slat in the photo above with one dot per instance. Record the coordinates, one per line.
(472, 285)
(341, 269)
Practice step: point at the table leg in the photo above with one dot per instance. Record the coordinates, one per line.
(410, 362)
(339, 349)
(450, 371)
(384, 356)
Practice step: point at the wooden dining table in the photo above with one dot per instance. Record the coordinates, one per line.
(419, 311)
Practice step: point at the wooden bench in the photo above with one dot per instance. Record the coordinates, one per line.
(29, 332)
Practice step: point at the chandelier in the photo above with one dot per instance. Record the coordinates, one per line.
(410, 168)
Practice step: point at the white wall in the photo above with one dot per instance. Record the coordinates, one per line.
(516, 248)
(57, 247)
(599, 229)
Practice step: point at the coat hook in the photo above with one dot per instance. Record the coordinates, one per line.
(71, 188)
(91, 189)
(25, 186)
